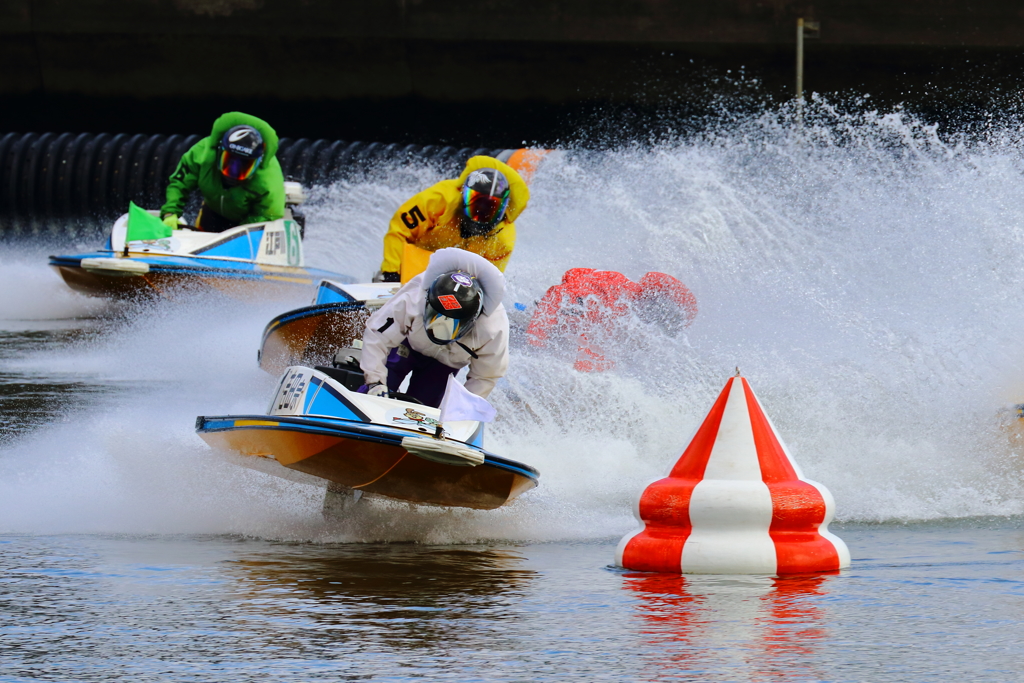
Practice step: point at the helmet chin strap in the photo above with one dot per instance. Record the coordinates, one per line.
(468, 350)
(437, 341)
(441, 322)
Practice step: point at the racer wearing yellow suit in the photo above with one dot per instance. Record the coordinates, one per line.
(474, 212)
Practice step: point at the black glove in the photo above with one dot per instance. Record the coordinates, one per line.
(390, 277)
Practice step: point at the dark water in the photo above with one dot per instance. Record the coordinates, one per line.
(924, 602)
(33, 398)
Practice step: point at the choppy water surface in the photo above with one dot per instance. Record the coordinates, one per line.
(862, 270)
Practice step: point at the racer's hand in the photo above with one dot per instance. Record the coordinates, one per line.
(171, 221)
(390, 277)
(377, 389)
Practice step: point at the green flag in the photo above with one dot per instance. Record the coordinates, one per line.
(143, 225)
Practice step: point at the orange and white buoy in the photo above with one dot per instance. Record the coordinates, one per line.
(735, 503)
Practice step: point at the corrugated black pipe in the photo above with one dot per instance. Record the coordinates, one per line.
(59, 183)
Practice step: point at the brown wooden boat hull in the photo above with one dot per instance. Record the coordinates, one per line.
(369, 465)
(310, 336)
(270, 286)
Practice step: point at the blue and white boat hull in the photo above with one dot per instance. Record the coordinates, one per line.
(261, 260)
(384, 446)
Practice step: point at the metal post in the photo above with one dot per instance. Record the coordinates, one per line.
(800, 59)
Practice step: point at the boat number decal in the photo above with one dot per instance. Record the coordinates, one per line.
(414, 418)
(413, 218)
(291, 390)
(292, 235)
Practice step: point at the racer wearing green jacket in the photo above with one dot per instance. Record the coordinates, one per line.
(236, 170)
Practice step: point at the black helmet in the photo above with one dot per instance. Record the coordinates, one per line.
(241, 150)
(484, 200)
(454, 301)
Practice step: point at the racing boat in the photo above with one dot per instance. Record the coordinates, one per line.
(319, 429)
(261, 260)
(310, 335)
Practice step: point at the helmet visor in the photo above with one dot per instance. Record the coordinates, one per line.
(444, 330)
(484, 208)
(237, 167)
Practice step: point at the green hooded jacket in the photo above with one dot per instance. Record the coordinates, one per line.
(258, 199)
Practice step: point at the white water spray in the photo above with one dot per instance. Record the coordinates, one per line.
(861, 271)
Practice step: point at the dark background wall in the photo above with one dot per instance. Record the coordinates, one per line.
(493, 72)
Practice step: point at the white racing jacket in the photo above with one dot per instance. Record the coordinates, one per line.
(401, 319)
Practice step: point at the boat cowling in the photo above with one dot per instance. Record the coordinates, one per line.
(308, 392)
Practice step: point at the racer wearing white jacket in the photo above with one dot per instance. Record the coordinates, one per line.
(396, 331)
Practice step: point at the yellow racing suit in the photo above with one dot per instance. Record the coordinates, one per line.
(430, 220)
